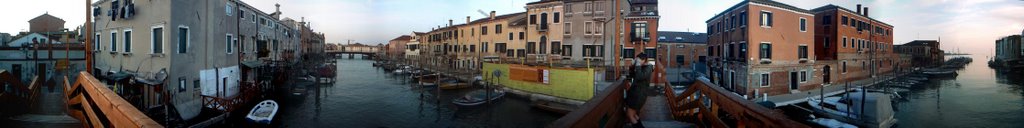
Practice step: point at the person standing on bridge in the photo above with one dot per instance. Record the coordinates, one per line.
(636, 95)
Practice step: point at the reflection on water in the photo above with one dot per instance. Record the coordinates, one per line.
(978, 97)
(368, 97)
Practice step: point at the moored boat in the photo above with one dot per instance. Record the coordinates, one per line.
(453, 84)
(263, 113)
(428, 80)
(478, 97)
(864, 109)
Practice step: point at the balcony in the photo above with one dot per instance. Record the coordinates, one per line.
(542, 27)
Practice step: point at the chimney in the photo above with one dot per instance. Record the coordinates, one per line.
(866, 12)
(278, 8)
(450, 22)
(492, 15)
(467, 19)
(858, 9)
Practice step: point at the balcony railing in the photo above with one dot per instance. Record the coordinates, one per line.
(542, 27)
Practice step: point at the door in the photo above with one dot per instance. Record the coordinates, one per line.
(41, 70)
(828, 74)
(793, 81)
(16, 70)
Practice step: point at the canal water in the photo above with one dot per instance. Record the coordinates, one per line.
(978, 97)
(364, 96)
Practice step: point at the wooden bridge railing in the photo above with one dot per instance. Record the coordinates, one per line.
(95, 105)
(16, 96)
(605, 110)
(249, 92)
(708, 105)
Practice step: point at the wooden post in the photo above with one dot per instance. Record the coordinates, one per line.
(88, 36)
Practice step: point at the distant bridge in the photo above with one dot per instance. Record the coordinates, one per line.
(351, 50)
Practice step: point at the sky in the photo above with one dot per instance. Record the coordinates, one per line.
(971, 26)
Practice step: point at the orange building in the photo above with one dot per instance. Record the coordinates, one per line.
(761, 47)
(852, 45)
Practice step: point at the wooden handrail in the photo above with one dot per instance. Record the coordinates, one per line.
(604, 110)
(745, 112)
(95, 105)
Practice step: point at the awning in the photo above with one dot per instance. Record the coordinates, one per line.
(253, 63)
(119, 76)
(157, 79)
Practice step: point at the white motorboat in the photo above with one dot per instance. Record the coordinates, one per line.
(263, 113)
(873, 109)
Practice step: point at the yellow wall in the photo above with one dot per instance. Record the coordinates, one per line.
(563, 83)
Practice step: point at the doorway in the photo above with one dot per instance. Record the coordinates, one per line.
(827, 74)
(793, 81)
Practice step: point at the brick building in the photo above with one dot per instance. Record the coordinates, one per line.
(851, 45)
(763, 46)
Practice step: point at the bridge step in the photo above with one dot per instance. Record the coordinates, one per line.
(45, 119)
(667, 124)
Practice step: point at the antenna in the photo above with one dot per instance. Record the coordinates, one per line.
(483, 13)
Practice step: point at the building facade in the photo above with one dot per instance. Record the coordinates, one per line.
(923, 53)
(851, 45)
(173, 55)
(762, 47)
(1008, 49)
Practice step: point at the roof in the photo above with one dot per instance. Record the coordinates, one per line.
(834, 7)
(542, 1)
(402, 38)
(500, 17)
(920, 43)
(764, 2)
(643, 1)
(682, 37)
(46, 16)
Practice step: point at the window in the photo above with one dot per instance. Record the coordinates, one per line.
(157, 40)
(766, 19)
(472, 48)
(181, 84)
(826, 43)
(765, 80)
(628, 53)
(586, 27)
(113, 41)
(640, 30)
(227, 9)
(483, 30)
(743, 50)
(844, 42)
(497, 28)
(598, 28)
(566, 50)
(766, 50)
(844, 66)
(522, 35)
(533, 19)
(128, 41)
(96, 43)
(844, 20)
(802, 52)
(227, 43)
(651, 53)
(531, 47)
(555, 47)
(543, 47)
(803, 76)
(183, 39)
(743, 19)
(567, 28)
(543, 18)
(241, 14)
(556, 17)
(827, 20)
(510, 36)
(803, 24)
